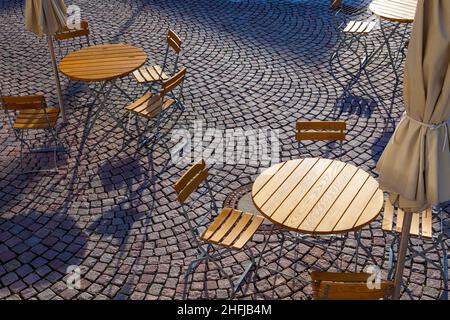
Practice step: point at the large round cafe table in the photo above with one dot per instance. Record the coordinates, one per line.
(317, 196)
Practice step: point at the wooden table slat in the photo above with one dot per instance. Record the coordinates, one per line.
(341, 205)
(298, 193)
(359, 203)
(288, 186)
(305, 206)
(401, 11)
(334, 192)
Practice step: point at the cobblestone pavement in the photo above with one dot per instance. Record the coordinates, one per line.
(251, 64)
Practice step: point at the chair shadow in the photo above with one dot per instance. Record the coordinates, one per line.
(41, 246)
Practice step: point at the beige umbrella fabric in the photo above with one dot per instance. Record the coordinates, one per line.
(415, 166)
(47, 17)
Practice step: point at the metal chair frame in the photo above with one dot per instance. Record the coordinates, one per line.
(37, 102)
(152, 133)
(212, 252)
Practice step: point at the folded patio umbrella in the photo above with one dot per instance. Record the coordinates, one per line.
(47, 17)
(415, 166)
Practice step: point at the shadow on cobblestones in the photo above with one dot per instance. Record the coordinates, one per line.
(37, 248)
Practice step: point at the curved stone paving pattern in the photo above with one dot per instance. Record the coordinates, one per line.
(251, 64)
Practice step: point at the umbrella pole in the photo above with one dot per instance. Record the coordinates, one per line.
(404, 241)
(56, 74)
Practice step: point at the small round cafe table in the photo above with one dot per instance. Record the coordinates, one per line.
(103, 64)
(317, 196)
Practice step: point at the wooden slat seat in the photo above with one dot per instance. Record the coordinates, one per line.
(421, 225)
(232, 228)
(347, 286)
(31, 112)
(82, 31)
(360, 26)
(150, 105)
(154, 73)
(37, 119)
(150, 74)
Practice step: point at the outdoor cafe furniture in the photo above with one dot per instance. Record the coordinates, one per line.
(315, 196)
(26, 113)
(156, 73)
(229, 231)
(321, 131)
(156, 110)
(421, 228)
(399, 12)
(103, 64)
(349, 286)
(415, 165)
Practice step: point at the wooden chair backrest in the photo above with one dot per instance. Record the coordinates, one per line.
(82, 31)
(173, 82)
(174, 41)
(18, 103)
(335, 4)
(191, 180)
(321, 130)
(347, 286)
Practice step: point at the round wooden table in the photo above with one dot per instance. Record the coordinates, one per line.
(401, 11)
(103, 62)
(317, 196)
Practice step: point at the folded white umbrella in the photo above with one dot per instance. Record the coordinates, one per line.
(415, 166)
(47, 17)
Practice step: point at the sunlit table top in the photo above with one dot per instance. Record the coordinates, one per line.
(402, 11)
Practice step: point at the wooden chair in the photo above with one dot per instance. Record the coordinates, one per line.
(70, 38)
(321, 131)
(229, 231)
(421, 228)
(31, 113)
(348, 286)
(156, 110)
(155, 73)
(348, 60)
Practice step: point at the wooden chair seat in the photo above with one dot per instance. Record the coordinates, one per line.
(150, 74)
(150, 105)
(347, 286)
(360, 26)
(232, 228)
(37, 119)
(421, 226)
